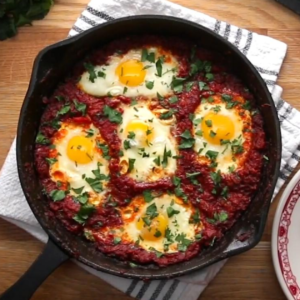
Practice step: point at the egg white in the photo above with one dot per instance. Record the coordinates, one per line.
(145, 168)
(75, 173)
(177, 224)
(110, 84)
(225, 159)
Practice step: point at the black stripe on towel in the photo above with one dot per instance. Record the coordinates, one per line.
(171, 290)
(227, 31)
(143, 290)
(238, 37)
(132, 286)
(88, 21)
(99, 14)
(289, 168)
(283, 176)
(269, 82)
(158, 289)
(248, 43)
(264, 71)
(77, 29)
(217, 26)
(283, 116)
(296, 157)
(280, 104)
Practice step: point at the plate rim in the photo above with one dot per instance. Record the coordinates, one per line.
(274, 240)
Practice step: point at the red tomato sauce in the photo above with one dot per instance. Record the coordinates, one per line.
(241, 184)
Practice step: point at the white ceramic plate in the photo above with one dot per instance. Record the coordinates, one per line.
(286, 240)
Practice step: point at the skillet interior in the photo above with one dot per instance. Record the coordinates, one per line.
(50, 67)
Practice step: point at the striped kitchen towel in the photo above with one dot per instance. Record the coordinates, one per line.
(265, 53)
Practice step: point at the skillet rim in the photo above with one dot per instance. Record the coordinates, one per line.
(34, 80)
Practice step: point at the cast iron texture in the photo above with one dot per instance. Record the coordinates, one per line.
(50, 67)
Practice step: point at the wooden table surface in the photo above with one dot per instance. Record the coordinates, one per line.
(247, 276)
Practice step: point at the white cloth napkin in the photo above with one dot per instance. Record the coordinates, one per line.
(267, 56)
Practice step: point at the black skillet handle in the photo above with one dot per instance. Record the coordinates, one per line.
(50, 259)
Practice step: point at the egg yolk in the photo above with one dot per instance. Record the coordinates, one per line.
(131, 72)
(217, 127)
(80, 149)
(143, 133)
(155, 231)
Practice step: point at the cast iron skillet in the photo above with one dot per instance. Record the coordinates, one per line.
(49, 68)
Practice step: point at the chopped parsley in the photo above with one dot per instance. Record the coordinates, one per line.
(187, 140)
(85, 211)
(113, 115)
(148, 196)
(203, 86)
(131, 162)
(89, 132)
(131, 135)
(166, 154)
(105, 150)
(209, 76)
(221, 217)
(177, 84)
(195, 217)
(149, 85)
(117, 240)
(183, 242)
(51, 161)
(212, 154)
(95, 184)
(78, 191)
(168, 114)
(157, 160)
(126, 144)
(208, 123)
(91, 70)
(158, 65)
(83, 198)
(147, 56)
(189, 85)
(173, 99)
(101, 74)
(57, 195)
(81, 107)
(65, 109)
(41, 139)
(171, 211)
(226, 98)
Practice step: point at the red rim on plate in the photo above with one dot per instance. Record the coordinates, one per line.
(280, 239)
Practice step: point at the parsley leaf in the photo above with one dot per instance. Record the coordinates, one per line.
(83, 199)
(168, 114)
(173, 99)
(57, 195)
(177, 84)
(187, 140)
(65, 109)
(81, 107)
(95, 184)
(158, 65)
(91, 70)
(149, 85)
(41, 139)
(209, 76)
(208, 123)
(84, 213)
(117, 240)
(51, 161)
(131, 162)
(113, 115)
(147, 196)
(171, 211)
